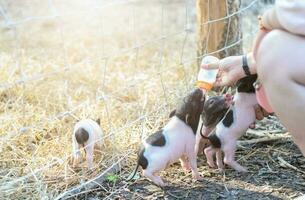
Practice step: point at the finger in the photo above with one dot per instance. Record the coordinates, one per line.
(214, 65)
(265, 113)
(252, 126)
(219, 74)
(219, 83)
(226, 80)
(258, 113)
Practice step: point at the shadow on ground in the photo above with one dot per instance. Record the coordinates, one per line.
(267, 178)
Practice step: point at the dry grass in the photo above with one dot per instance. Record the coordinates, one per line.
(37, 117)
(88, 63)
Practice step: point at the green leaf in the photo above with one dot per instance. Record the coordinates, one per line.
(113, 178)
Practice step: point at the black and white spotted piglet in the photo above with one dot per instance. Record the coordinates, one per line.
(234, 124)
(175, 141)
(214, 110)
(87, 134)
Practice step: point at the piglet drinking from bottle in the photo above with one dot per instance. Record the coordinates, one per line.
(234, 124)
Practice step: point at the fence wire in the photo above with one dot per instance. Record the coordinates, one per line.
(25, 79)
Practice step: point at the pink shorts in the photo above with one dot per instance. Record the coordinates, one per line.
(262, 99)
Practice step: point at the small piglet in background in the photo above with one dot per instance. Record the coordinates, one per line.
(234, 124)
(175, 141)
(86, 134)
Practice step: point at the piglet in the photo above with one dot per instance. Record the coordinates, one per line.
(234, 124)
(87, 134)
(214, 110)
(175, 141)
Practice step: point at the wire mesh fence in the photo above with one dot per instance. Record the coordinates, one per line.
(125, 62)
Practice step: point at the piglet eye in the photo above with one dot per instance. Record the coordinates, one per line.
(212, 102)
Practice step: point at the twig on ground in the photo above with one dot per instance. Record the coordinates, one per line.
(175, 196)
(285, 164)
(264, 139)
(116, 191)
(264, 132)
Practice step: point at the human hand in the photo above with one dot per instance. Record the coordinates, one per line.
(260, 112)
(260, 23)
(230, 70)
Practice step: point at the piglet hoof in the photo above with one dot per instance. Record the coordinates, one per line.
(75, 163)
(185, 164)
(186, 168)
(211, 164)
(197, 177)
(161, 184)
(242, 170)
(252, 126)
(221, 170)
(90, 168)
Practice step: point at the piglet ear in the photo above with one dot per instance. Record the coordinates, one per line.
(188, 119)
(202, 99)
(98, 121)
(204, 118)
(172, 113)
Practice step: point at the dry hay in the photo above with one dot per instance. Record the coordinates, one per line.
(130, 89)
(111, 63)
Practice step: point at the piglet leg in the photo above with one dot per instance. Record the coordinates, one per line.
(219, 160)
(229, 158)
(193, 161)
(197, 144)
(185, 164)
(154, 178)
(209, 153)
(76, 153)
(89, 155)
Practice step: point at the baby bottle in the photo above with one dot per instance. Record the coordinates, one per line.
(207, 77)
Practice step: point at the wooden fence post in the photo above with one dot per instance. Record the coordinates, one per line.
(216, 35)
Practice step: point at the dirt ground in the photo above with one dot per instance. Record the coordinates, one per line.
(269, 176)
(56, 71)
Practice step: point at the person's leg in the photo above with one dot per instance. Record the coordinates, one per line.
(281, 69)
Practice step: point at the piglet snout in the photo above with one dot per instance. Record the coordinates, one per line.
(228, 98)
